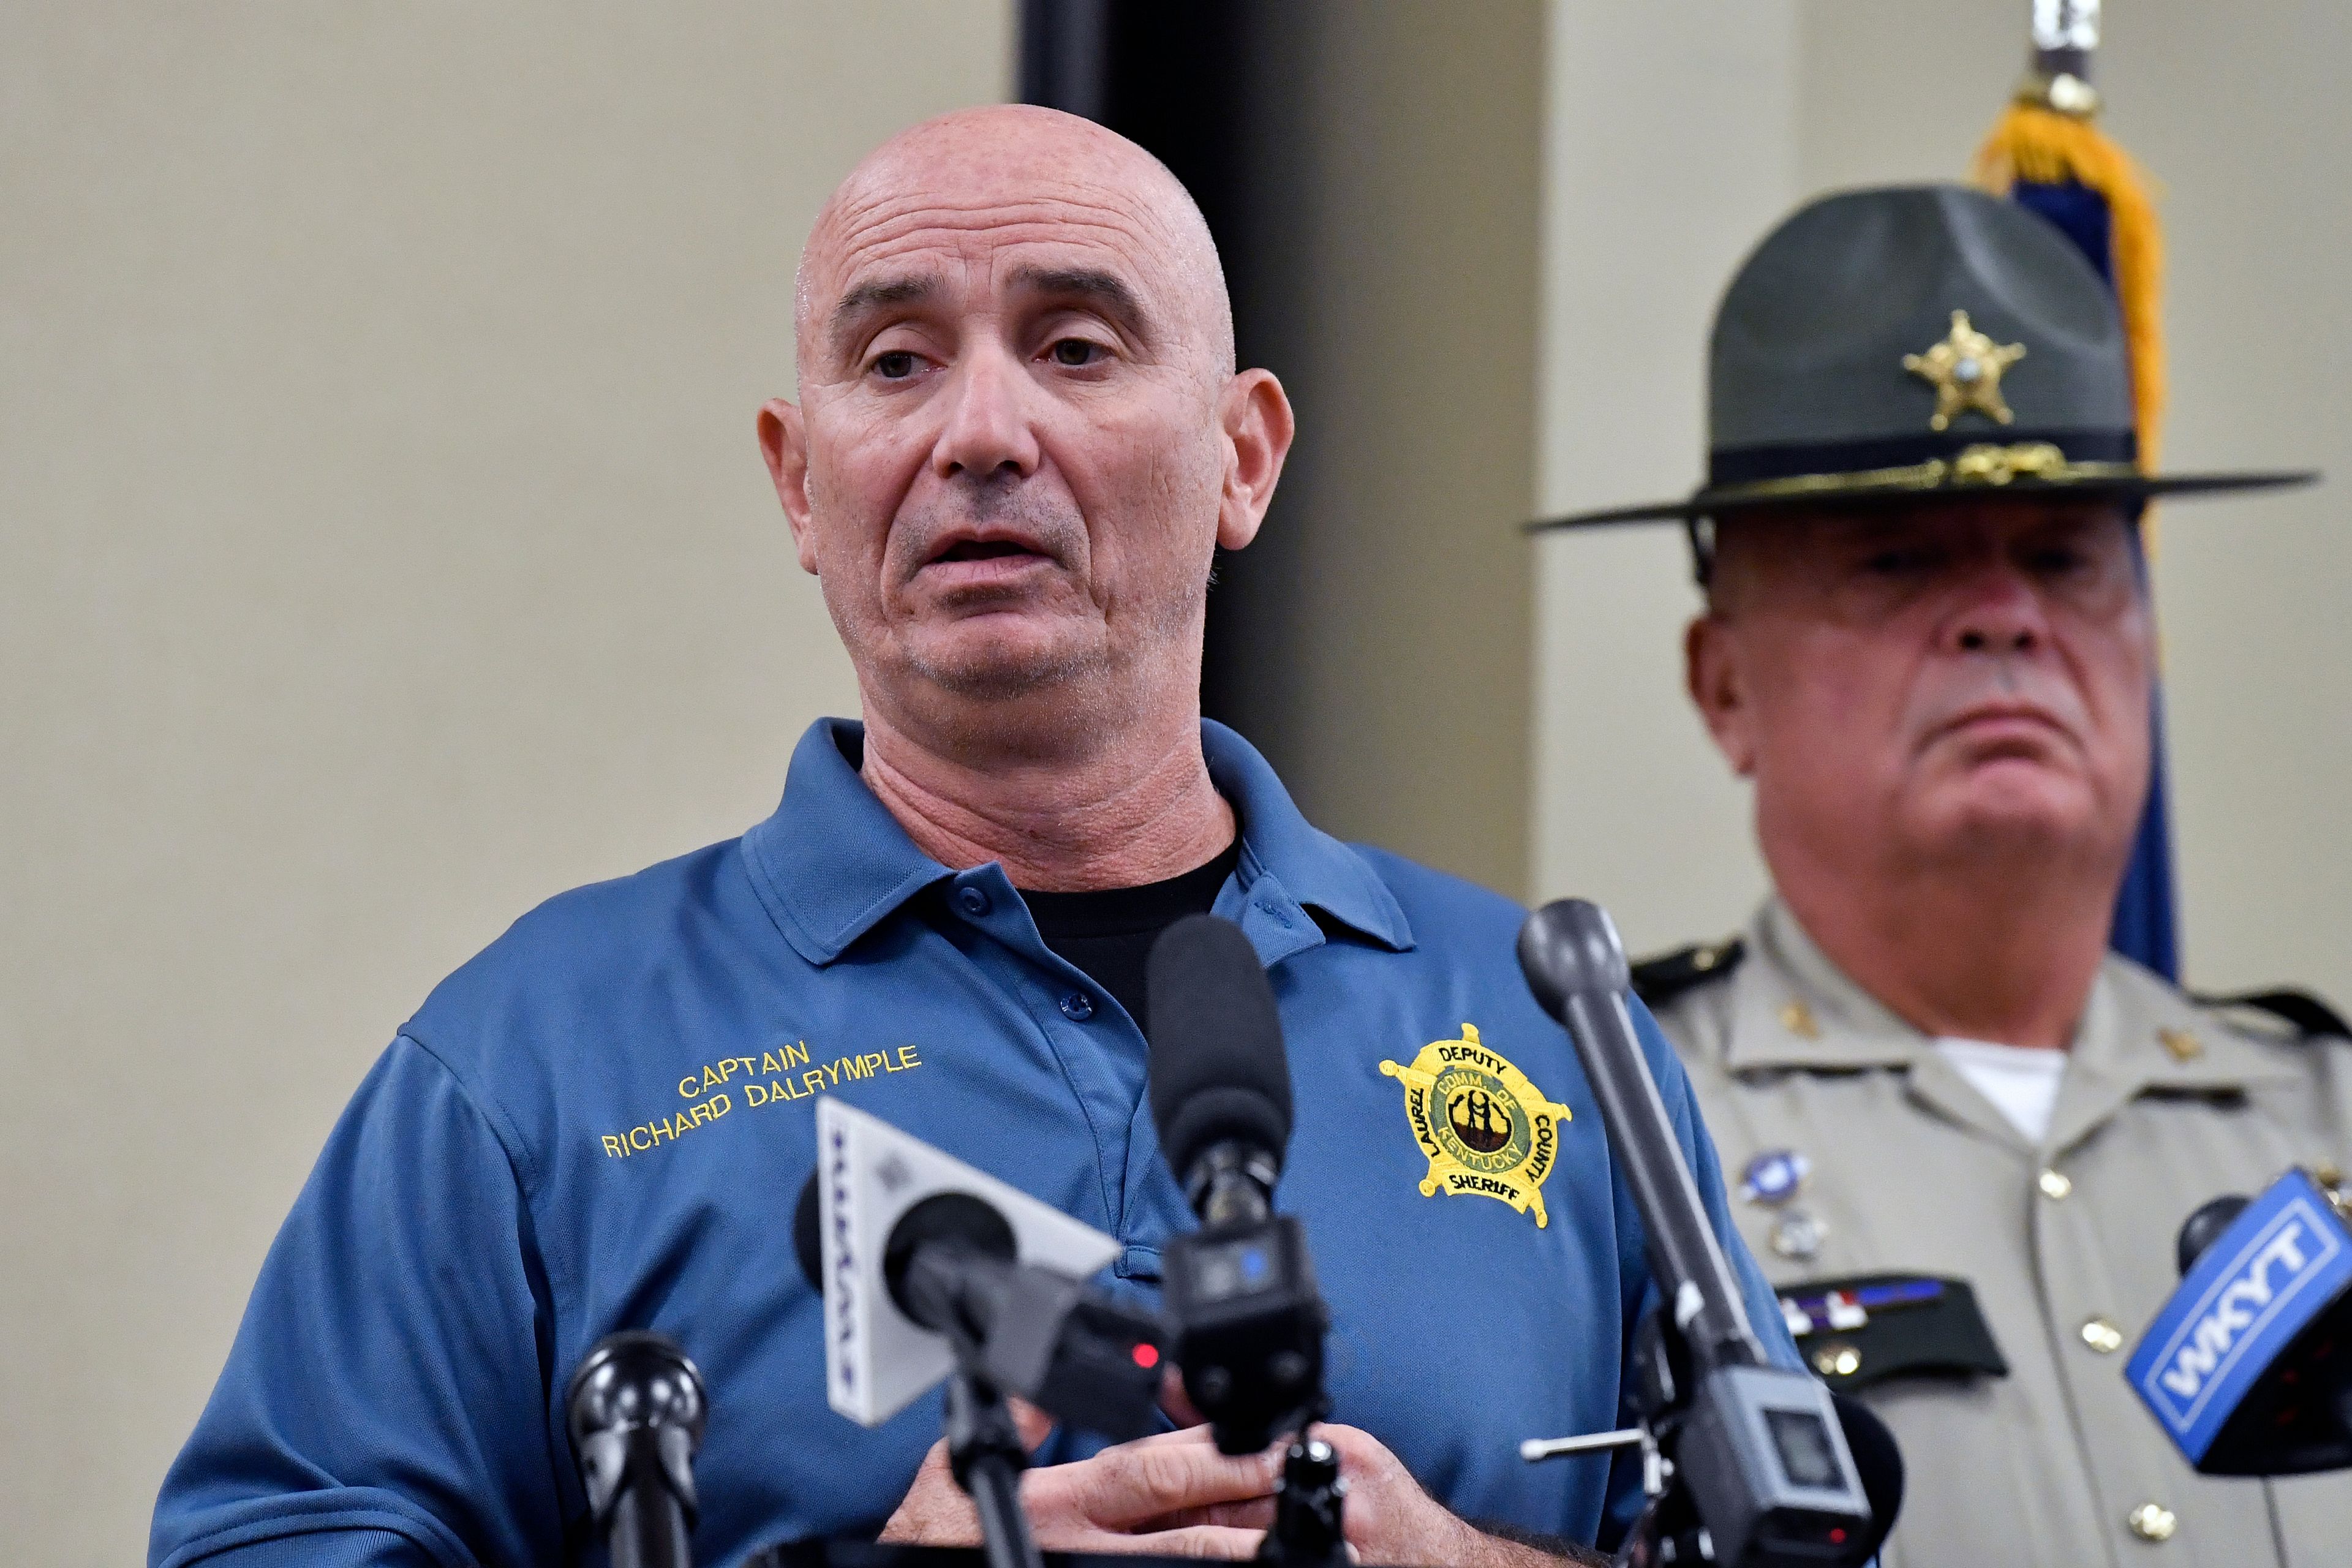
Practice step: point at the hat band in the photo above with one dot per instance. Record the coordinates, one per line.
(1921, 462)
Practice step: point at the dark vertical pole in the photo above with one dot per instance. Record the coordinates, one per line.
(1066, 55)
(1169, 78)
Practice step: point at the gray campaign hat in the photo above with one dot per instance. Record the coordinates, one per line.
(1889, 345)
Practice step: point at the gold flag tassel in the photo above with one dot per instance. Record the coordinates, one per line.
(2043, 145)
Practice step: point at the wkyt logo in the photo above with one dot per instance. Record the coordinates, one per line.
(2279, 1262)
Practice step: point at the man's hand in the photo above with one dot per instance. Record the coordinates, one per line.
(1392, 1521)
(1156, 1495)
(1174, 1493)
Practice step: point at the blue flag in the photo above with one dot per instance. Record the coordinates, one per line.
(2059, 166)
(2145, 928)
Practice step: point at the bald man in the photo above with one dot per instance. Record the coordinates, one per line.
(1020, 436)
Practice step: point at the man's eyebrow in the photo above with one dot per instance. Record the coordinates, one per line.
(1106, 290)
(879, 294)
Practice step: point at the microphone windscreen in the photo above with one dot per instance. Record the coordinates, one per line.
(808, 1245)
(1219, 1072)
(2203, 1228)
(1569, 948)
(635, 1378)
(1877, 1464)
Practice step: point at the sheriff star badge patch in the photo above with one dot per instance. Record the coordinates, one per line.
(1485, 1129)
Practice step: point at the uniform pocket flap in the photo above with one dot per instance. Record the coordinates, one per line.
(1865, 1329)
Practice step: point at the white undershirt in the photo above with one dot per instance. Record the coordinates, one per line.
(2020, 1080)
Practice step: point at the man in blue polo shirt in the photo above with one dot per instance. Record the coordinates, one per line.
(1020, 436)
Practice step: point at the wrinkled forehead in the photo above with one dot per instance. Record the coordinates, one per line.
(960, 233)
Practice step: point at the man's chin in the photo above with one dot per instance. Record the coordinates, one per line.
(1003, 668)
(2013, 805)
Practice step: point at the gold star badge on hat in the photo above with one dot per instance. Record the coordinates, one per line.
(1965, 370)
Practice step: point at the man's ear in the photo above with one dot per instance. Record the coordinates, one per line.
(1718, 685)
(783, 442)
(1257, 425)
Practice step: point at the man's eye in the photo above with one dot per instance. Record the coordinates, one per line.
(896, 365)
(1895, 563)
(2056, 563)
(1076, 353)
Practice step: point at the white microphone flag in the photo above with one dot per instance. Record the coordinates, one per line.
(877, 1360)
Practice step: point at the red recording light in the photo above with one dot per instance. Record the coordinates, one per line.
(1147, 1355)
(1837, 1535)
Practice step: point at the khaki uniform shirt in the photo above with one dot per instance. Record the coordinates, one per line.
(2069, 1248)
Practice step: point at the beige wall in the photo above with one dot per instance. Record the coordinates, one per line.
(383, 547)
(1682, 144)
(1667, 154)
(1393, 173)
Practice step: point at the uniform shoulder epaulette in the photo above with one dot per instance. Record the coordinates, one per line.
(1658, 980)
(2306, 1013)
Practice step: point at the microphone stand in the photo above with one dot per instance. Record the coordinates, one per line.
(985, 1453)
(1743, 1462)
(1668, 1530)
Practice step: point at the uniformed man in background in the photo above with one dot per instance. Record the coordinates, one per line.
(1966, 1132)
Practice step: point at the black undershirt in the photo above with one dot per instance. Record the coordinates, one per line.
(1109, 934)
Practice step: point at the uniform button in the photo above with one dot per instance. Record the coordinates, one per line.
(1077, 1007)
(972, 902)
(2102, 1335)
(2152, 1521)
(2054, 1185)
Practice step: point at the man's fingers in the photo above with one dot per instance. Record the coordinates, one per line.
(934, 1512)
(1193, 1541)
(1125, 1486)
(1176, 1402)
(1255, 1513)
(1198, 1435)
(1032, 1423)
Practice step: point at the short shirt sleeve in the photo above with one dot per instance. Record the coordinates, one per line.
(386, 1399)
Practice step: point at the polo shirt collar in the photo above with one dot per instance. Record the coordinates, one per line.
(832, 863)
(1284, 854)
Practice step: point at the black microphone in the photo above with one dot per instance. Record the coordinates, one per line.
(1877, 1461)
(2203, 1228)
(951, 1266)
(1574, 963)
(2248, 1365)
(1249, 1319)
(635, 1409)
(1219, 1075)
(1759, 1451)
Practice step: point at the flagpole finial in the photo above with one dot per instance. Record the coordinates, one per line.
(2066, 35)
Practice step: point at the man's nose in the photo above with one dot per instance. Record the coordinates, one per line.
(987, 432)
(2000, 614)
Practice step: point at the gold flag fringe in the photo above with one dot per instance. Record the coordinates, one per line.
(2045, 147)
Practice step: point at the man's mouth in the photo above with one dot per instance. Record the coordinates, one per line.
(2004, 727)
(993, 565)
(985, 550)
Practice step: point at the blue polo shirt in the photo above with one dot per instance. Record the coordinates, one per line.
(603, 1121)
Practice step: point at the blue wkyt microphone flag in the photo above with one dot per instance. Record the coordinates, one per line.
(2280, 1264)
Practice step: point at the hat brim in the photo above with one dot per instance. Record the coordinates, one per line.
(1714, 502)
